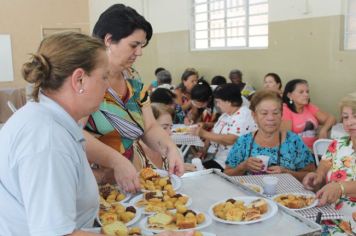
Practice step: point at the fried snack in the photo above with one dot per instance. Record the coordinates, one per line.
(135, 231)
(116, 212)
(148, 173)
(236, 210)
(197, 233)
(181, 130)
(152, 181)
(109, 194)
(294, 201)
(169, 221)
(158, 201)
(115, 228)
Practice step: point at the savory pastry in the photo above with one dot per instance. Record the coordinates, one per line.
(236, 210)
(115, 228)
(160, 219)
(294, 201)
(117, 212)
(148, 173)
(110, 194)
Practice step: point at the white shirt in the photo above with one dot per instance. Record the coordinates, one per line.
(239, 123)
(46, 184)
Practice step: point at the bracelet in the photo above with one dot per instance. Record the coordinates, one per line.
(342, 189)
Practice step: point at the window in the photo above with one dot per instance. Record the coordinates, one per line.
(219, 24)
(350, 26)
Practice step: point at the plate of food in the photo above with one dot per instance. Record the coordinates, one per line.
(110, 194)
(156, 179)
(123, 212)
(196, 233)
(243, 210)
(160, 201)
(115, 228)
(175, 221)
(180, 129)
(254, 187)
(296, 201)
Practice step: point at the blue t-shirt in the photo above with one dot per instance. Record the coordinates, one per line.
(294, 154)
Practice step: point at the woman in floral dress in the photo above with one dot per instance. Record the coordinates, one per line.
(338, 170)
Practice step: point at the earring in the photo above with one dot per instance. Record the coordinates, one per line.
(290, 101)
(81, 91)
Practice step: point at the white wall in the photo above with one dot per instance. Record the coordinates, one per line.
(174, 15)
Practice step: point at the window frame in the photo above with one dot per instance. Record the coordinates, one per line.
(347, 33)
(246, 26)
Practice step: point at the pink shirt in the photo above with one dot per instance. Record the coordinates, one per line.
(304, 124)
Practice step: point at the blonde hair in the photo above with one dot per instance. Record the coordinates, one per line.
(349, 101)
(57, 57)
(160, 109)
(262, 95)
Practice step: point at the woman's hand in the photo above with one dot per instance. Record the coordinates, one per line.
(126, 176)
(330, 193)
(253, 164)
(196, 129)
(176, 165)
(276, 170)
(311, 180)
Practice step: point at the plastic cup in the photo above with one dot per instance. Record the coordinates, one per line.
(265, 160)
(198, 164)
(270, 185)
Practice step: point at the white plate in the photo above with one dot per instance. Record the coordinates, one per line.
(137, 198)
(206, 223)
(147, 233)
(252, 186)
(179, 126)
(272, 210)
(175, 180)
(92, 230)
(315, 203)
(131, 222)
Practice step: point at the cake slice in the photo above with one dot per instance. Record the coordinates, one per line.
(116, 228)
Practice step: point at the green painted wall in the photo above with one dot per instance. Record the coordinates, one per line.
(309, 48)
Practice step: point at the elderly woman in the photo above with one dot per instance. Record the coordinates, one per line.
(235, 121)
(337, 170)
(47, 186)
(287, 152)
(246, 90)
(125, 114)
(301, 116)
(273, 82)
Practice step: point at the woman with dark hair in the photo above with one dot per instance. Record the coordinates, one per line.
(286, 151)
(236, 120)
(301, 116)
(125, 114)
(189, 79)
(167, 97)
(202, 102)
(273, 82)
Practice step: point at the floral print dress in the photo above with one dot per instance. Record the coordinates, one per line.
(343, 158)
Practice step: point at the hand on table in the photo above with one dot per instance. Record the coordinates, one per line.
(328, 194)
(311, 180)
(175, 162)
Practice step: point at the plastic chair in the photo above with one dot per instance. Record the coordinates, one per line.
(11, 106)
(319, 148)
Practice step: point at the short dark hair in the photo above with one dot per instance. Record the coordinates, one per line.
(164, 77)
(235, 72)
(158, 70)
(162, 95)
(263, 95)
(229, 92)
(218, 80)
(201, 92)
(276, 78)
(121, 21)
(289, 88)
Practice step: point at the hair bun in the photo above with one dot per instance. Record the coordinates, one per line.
(37, 70)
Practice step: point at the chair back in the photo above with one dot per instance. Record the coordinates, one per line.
(320, 147)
